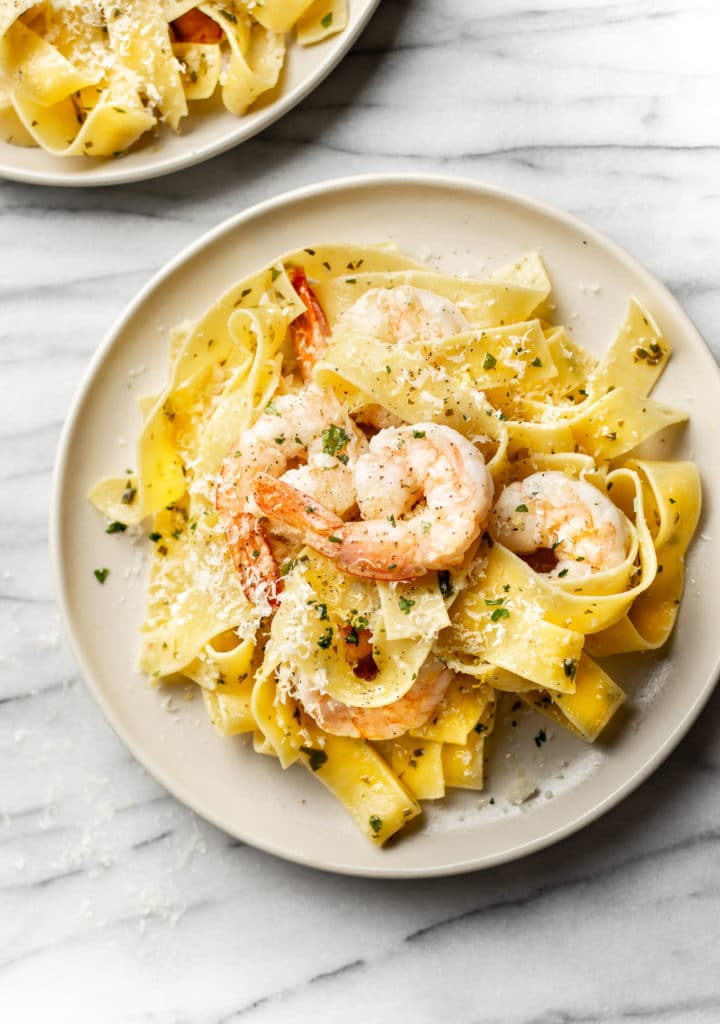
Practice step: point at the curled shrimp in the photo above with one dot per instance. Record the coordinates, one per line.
(425, 493)
(394, 315)
(310, 428)
(398, 316)
(404, 314)
(571, 527)
(383, 723)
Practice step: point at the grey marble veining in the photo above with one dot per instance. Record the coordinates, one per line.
(119, 905)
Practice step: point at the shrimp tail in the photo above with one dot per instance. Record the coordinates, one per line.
(277, 499)
(309, 332)
(254, 559)
(353, 547)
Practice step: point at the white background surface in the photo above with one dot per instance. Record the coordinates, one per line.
(117, 904)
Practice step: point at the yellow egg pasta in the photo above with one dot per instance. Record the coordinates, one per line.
(254, 479)
(89, 78)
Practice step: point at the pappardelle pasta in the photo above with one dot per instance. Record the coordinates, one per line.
(90, 77)
(381, 497)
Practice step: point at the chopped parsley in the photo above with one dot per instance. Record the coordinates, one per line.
(275, 274)
(101, 574)
(326, 22)
(495, 601)
(521, 508)
(489, 361)
(317, 758)
(405, 604)
(128, 495)
(155, 536)
(271, 410)
(570, 667)
(418, 433)
(563, 572)
(322, 611)
(115, 528)
(334, 540)
(391, 520)
(334, 440)
(540, 738)
(375, 823)
(326, 639)
(536, 361)
(500, 613)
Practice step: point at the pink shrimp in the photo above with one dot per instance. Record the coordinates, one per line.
(403, 468)
(382, 723)
(569, 527)
(310, 428)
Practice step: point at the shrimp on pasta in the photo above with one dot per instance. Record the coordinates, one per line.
(424, 492)
(310, 441)
(579, 528)
(382, 723)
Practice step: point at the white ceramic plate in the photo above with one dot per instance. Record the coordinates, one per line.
(462, 227)
(208, 130)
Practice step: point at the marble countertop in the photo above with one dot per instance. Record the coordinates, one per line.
(118, 904)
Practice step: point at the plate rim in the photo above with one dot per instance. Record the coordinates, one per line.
(274, 112)
(61, 577)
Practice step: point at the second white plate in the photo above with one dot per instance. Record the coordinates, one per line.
(208, 130)
(461, 227)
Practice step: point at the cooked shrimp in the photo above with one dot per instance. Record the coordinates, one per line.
(309, 333)
(394, 315)
(425, 493)
(572, 521)
(404, 314)
(310, 427)
(196, 27)
(382, 723)
(399, 315)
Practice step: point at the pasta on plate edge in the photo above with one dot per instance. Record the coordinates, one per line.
(88, 78)
(535, 404)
